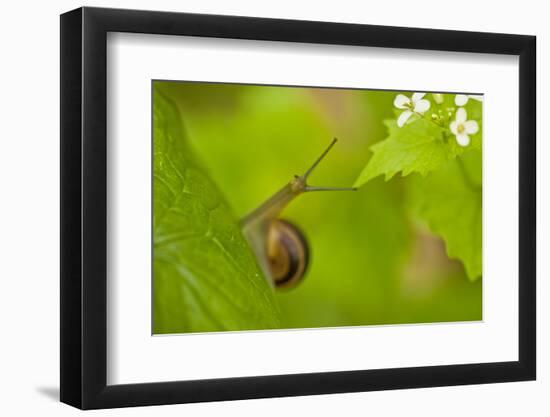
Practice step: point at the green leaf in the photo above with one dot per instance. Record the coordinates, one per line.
(205, 275)
(419, 146)
(449, 200)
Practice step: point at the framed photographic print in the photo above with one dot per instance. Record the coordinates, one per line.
(257, 208)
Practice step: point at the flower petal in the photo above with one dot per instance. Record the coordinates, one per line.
(463, 139)
(453, 127)
(421, 106)
(403, 117)
(471, 127)
(417, 96)
(461, 99)
(461, 115)
(401, 101)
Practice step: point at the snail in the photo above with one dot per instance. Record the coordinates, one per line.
(281, 248)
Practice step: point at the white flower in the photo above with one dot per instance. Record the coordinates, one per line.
(415, 104)
(462, 128)
(462, 99)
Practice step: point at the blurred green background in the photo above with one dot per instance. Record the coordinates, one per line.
(372, 261)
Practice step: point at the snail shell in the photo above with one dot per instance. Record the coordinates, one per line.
(287, 254)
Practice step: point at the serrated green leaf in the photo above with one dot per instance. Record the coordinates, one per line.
(419, 146)
(450, 201)
(205, 275)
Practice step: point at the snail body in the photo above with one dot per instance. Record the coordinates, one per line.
(281, 248)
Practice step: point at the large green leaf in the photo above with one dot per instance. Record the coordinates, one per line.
(419, 146)
(450, 196)
(205, 276)
(450, 200)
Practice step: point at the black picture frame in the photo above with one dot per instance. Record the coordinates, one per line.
(84, 207)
